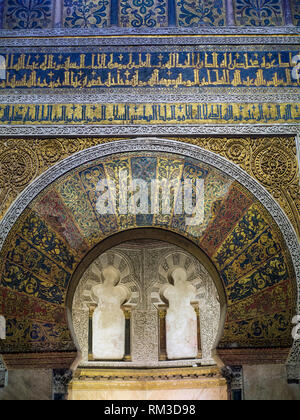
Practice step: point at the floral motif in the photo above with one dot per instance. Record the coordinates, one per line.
(259, 13)
(139, 13)
(28, 14)
(86, 13)
(296, 12)
(201, 13)
(1, 9)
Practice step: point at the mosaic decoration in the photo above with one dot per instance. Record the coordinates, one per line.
(132, 114)
(143, 13)
(255, 308)
(38, 14)
(56, 215)
(86, 13)
(227, 215)
(120, 69)
(264, 332)
(28, 14)
(200, 13)
(35, 231)
(295, 5)
(144, 168)
(41, 253)
(259, 12)
(240, 238)
(89, 178)
(22, 160)
(36, 262)
(215, 189)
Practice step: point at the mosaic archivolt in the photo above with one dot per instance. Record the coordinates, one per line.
(42, 250)
(144, 268)
(21, 14)
(272, 161)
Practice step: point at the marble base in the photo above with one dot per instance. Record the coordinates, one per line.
(205, 383)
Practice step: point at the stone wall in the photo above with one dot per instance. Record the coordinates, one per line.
(268, 382)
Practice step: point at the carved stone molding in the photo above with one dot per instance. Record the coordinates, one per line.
(3, 374)
(224, 30)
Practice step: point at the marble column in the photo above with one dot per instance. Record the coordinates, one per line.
(60, 384)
